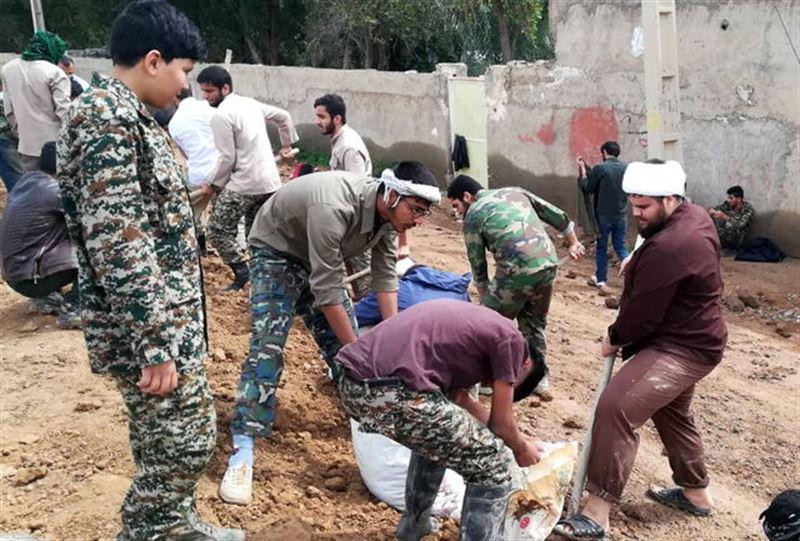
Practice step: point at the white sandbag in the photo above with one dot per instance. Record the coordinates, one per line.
(383, 464)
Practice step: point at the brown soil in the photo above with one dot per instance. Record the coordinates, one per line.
(69, 424)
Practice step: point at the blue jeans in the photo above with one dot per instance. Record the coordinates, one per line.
(10, 166)
(617, 231)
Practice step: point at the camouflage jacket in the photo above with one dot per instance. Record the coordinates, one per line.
(734, 230)
(129, 215)
(6, 132)
(510, 222)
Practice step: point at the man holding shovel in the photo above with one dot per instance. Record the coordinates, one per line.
(510, 223)
(409, 380)
(670, 327)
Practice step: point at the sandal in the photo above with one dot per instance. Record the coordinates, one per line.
(675, 498)
(581, 528)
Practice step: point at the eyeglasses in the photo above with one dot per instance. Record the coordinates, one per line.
(418, 211)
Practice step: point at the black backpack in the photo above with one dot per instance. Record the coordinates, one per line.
(761, 250)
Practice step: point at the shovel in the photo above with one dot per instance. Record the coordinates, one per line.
(583, 460)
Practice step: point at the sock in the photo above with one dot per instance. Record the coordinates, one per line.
(242, 450)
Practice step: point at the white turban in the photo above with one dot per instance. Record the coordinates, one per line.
(654, 179)
(407, 188)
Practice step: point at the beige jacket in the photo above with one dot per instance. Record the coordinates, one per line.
(349, 153)
(323, 219)
(36, 101)
(246, 164)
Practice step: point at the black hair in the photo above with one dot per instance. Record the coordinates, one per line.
(736, 191)
(75, 89)
(65, 61)
(216, 76)
(334, 104)
(525, 387)
(463, 184)
(415, 172)
(47, 158)
(145, 25)
(611, 148)
(656, 161)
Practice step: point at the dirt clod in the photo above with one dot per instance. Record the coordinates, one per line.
(734, 303)
(26, 476)
(612, 302)
(335, 483)
(751, 301)
(86, 406)
(574, 422)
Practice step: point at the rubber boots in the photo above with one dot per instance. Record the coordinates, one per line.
(484, 513)
(422, 485)
(241, 275)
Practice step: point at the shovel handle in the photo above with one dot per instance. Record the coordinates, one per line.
(583, 459)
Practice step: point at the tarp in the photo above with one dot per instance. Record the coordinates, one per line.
(418, 284)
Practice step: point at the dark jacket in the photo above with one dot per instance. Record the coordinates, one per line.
(34, 236)
(673, 288)
(604, 181)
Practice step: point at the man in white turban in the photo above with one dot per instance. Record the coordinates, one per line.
(672, 334)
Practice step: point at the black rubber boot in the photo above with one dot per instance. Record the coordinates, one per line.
(484, 513)
(241, 275)
(422, 484)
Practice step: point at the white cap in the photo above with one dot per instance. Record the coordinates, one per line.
(654, 179)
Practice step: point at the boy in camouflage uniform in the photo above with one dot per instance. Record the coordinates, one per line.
(733, 219)
(141, 295)
(409, 380)
(509, 222)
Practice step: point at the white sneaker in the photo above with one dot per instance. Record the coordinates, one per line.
(237, 484)
(592, 281)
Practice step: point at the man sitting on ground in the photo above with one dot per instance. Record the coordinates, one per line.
(38, 257)
(409, 380)
(733, 219)
(300, 240)
(671, 331)
(510, 223)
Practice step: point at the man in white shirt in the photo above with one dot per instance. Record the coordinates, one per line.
(190, 127)
(245, 174)
(36, 95)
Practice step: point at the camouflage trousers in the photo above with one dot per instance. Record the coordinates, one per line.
(730, 238)
(223, 224)
(172, 438)
(525, 298)
(429, 424)
(361, 286)
(279, 291)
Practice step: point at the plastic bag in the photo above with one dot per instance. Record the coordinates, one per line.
(383, 464)
(535, 508)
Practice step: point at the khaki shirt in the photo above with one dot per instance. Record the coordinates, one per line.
(324, 219)
(36, 101)
(349, 153)
(246, 163)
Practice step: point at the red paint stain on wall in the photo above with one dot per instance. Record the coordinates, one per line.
(525, 138)
(589, 129)
(546, 134)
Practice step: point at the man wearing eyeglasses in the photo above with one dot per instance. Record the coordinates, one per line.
(510, 223)
(299, 242)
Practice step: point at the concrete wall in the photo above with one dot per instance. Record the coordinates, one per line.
(400, 116)
(740, 110)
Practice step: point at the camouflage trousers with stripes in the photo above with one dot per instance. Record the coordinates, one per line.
(223, 224)
(279, 291)
(172, 438)
(525, 298)
(429, 424)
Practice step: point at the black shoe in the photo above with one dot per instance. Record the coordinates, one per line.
(241, 275)
(422, 485)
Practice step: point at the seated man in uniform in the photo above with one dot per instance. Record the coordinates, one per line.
(733, 219)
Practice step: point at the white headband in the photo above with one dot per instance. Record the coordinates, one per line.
(654, 179)
(407, 188)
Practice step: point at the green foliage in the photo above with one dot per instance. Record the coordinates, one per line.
(382, 34)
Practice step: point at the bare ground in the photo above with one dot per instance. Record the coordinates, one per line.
(60, 422)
